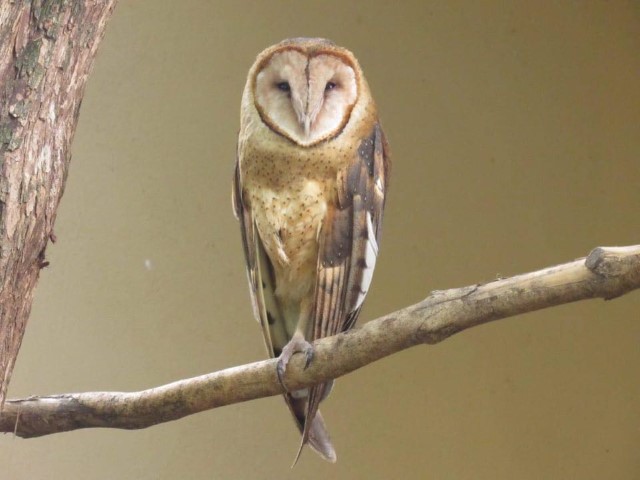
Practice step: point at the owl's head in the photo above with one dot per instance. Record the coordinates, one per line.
(305, 89)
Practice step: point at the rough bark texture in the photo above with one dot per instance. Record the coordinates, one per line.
(47, 49)
(606, 273)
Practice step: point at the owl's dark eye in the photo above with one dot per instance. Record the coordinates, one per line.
(284, 86)
(329, 86)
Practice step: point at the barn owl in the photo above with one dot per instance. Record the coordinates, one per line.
(309, 190)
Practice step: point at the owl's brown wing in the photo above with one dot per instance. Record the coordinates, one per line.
(267, 311)
(348, 240)
(259, 270)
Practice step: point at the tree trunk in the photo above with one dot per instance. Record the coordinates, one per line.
(47, 49)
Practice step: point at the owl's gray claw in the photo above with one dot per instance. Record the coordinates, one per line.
(297, 344)
(309, 353)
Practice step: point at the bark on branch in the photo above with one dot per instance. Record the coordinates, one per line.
(47, 48)
(606, 273)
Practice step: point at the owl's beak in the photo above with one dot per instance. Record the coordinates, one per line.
(307, 124)
(305, 120)
(307, 115)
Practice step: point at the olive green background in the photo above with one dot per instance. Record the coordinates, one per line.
(515, 132)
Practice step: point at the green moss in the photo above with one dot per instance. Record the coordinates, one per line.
(47, 15)
(8, 139)
(28, 58)
(44, 10)
(36, 76)
(19, 109)
(28, 64)
(6, 132)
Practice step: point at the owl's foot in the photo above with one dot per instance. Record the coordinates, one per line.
(297, 344)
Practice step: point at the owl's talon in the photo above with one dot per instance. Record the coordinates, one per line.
(309, 354)
(280, 368)
(297, 344)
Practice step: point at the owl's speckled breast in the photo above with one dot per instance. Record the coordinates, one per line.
(289, 194)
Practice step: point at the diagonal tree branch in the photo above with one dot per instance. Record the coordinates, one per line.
(606, 273)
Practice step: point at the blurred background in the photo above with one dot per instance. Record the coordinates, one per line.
(515, 132)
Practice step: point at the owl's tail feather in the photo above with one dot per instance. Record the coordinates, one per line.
(318, 436)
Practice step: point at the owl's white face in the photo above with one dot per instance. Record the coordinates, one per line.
(306, 98)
